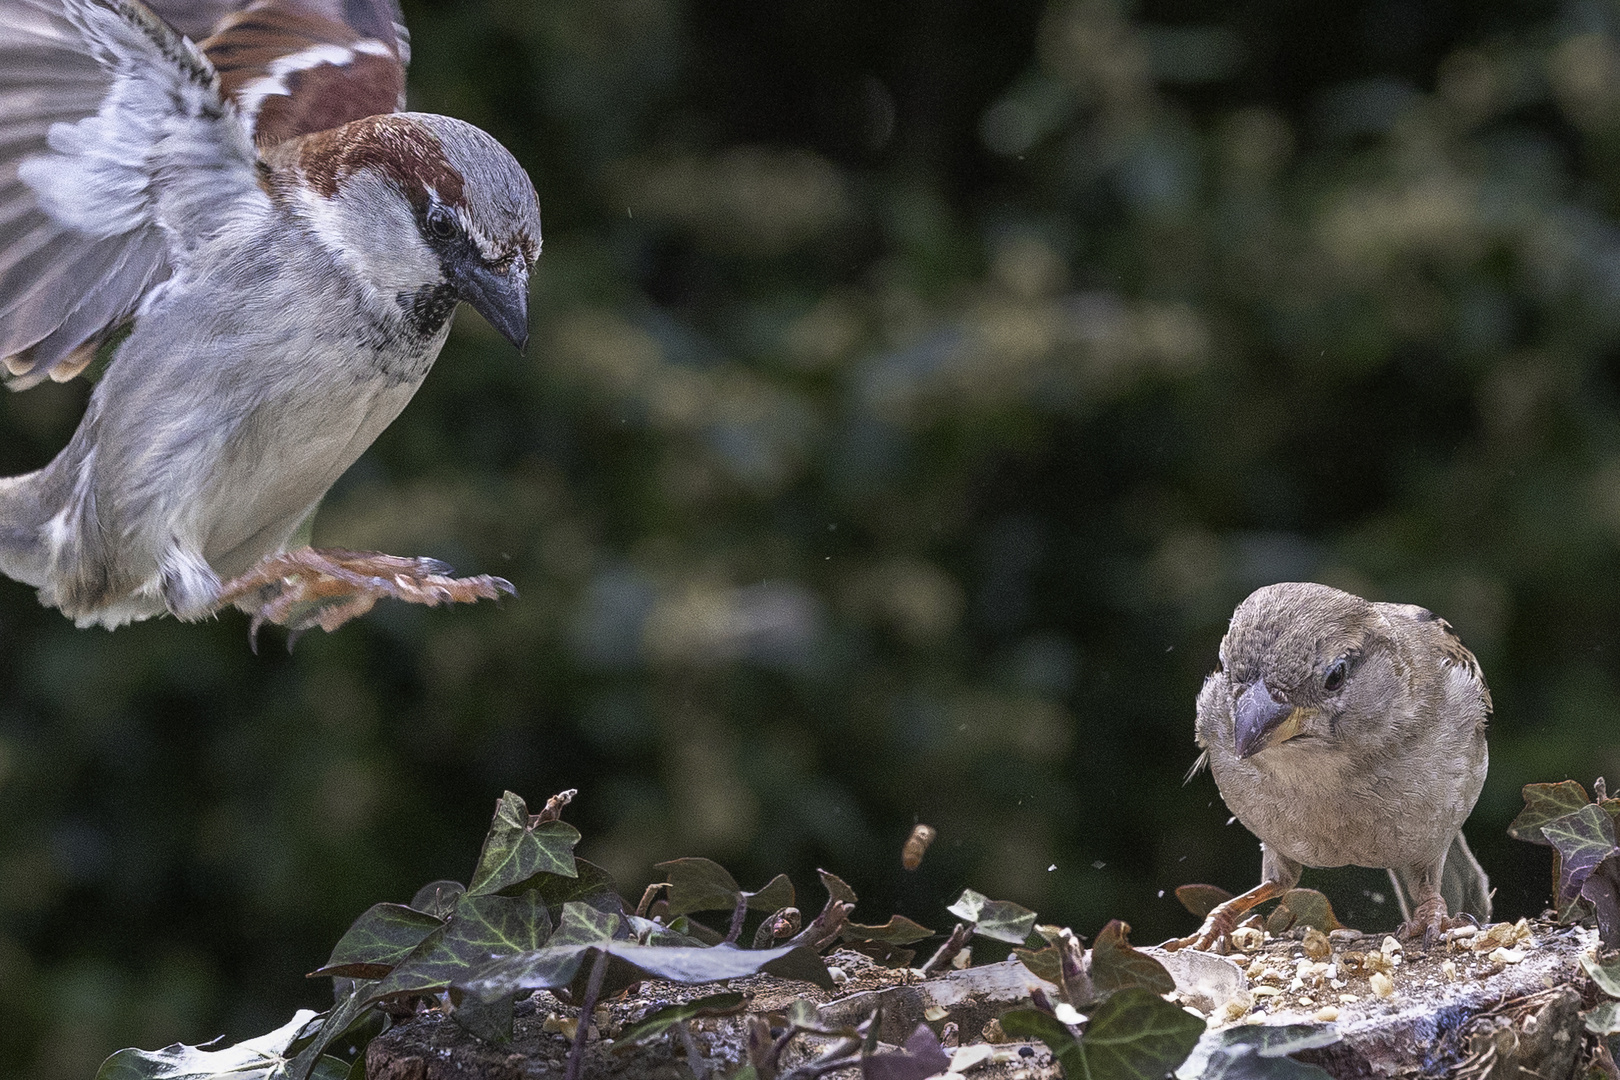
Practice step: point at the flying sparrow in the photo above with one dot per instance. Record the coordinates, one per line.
(1343, 732)
(280, 252)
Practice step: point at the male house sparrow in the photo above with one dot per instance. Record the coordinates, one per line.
(284, 250)
(1343, 732)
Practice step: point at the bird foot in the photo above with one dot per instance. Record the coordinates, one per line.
(1428, 923)
(1216, 933)
(327, 587)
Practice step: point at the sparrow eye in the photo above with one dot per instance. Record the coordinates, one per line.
(1335, 677)
(441, 224)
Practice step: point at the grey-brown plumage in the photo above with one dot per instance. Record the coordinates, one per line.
(1343, 732)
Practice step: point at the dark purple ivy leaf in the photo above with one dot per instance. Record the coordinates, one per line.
(1583, 839)
(1602, 891)
(922, 1057)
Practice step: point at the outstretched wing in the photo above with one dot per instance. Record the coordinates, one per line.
(297, 66)
(117, 155)
(123, 144)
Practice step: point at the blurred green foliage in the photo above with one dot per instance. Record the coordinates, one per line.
(915, 389)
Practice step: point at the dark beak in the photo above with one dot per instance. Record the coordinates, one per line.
(1259, 719)
(501, 296)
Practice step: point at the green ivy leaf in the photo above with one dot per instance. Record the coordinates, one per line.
(480, 929)
(592, 885)
(438, 897)
(335, 1023)
(1544, 803)
(263, 1058)
(584, 932)
(1137, 1035)
(1044, 963)
(698, 885)
(1000, 920)
(520, 847)
(377, 941)
(1606, 975)
(899, 930)
(655, 1024)
(1201, 899)
(1115, 965)
(1036, 1024)
(1583, 839)
(490, 1021)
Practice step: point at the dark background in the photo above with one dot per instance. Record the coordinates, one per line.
(915, 388)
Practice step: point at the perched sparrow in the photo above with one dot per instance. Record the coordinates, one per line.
(284, 251)
(1342, 732)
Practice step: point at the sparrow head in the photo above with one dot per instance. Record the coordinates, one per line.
(429, 210)
(1309, 662)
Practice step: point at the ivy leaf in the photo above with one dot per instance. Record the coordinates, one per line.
(1258, 1052)
(899, 930)
(1044, 963)
(490, 1021)
(922, 1057)
(592, 885)
(1137, 1035)
(1607, 976)
(999, 920)
(699, 885)
(1310, 908)
(583, 933)
(1544, 803)
(1115, 965)
(438, 898)
(1602, 891)
(1601, 1019)
(1065, 1048)
(377, 941)
(480, 928)
(336, 1022)
(255, 1059)
(777, 893)
(655, 1024)
(1201, 899)
(520, 846)
(1583, 839)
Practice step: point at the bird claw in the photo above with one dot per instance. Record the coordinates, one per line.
(1428, 923)
(327, 587)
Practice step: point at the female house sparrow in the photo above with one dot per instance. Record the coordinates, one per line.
(285, 251)
(1343, 732)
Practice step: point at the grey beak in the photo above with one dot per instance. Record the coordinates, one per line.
(1258, 715)
(501, 297)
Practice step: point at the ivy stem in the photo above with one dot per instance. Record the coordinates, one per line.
(738, 913)
(587, 1005)
(953, 945)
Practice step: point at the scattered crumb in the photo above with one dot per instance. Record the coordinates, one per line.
(1381, 984)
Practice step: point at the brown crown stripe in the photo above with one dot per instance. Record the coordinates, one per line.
(399, 148)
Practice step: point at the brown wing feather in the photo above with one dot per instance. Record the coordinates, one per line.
(298, 66)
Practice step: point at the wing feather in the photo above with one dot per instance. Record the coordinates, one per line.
(299, 66)
(117, 155)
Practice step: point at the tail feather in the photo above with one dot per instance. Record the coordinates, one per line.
(22, 549)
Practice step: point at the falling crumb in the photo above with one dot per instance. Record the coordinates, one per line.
(1327, 1013)
(838, 975)
(1265, 991)
(935, 1013)
(1382, 985)
(1348, 999)
(1507, 956)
